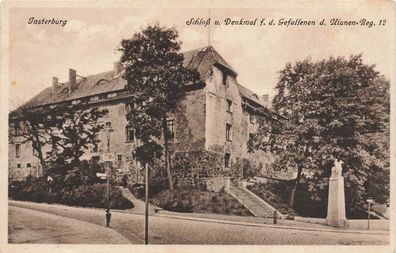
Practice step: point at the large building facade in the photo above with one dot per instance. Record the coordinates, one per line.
(211, 125)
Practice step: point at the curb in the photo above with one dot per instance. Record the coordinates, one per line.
(251, 224)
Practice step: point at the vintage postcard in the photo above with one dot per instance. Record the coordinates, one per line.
(179, 126)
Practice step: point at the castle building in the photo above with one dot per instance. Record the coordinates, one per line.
(211, 125)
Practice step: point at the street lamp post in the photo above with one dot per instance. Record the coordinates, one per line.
(146, 192)
(369, 202)
(108, 130)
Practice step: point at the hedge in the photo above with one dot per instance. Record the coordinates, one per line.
(94, 195)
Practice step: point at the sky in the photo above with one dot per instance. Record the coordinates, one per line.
(89, 40)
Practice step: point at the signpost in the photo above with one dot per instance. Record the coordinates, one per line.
(108, 158)
(146, 206)
(369, 202)
(101, 175)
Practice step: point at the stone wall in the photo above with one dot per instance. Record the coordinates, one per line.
(217, 116)
(216, 184)
(25, 164)
(199, 164)
(190, 122)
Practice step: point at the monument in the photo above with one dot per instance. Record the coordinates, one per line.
(336, 202)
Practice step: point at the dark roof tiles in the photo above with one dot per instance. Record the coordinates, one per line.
(200, 59)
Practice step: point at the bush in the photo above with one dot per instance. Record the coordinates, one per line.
(85, 195)
(277, 194)
(191, 200)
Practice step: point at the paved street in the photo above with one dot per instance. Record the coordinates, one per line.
(30, 226)
(163, 230)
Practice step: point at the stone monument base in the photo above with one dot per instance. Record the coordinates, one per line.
(336, 202)
(340, 223)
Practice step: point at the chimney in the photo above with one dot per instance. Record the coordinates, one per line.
(55, 83)
(72, 80)
(118, 68)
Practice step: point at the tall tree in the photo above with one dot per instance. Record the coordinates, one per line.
(156, 78)
(331, 109)
(31, 127)
(73, 131)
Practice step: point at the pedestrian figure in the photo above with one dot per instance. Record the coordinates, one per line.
(275, 217)
(108, 217)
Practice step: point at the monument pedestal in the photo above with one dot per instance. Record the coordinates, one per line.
(336, 202)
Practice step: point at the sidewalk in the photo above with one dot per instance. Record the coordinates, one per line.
(263, 222)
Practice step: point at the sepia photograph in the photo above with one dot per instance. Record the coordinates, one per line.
(171, 123)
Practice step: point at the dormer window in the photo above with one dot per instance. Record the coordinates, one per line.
(102, 81)
(65, 90)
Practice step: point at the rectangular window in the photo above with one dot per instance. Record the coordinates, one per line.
(96, 159)
(112, 95)
(75, 102)
(229, 105)
(228, 132)
(17, 150)
(95, 148)
(95, 98)
(227, 160)
(251, 136)
(17, 128)
(130, 134)
(224, 78)
(28, 165)
(119, 159)
(252, 118)
(170, 125)
(19, 165)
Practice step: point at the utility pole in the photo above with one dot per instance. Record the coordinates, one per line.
(146, 206)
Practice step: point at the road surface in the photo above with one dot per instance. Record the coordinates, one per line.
(31, 226)
(164, 230)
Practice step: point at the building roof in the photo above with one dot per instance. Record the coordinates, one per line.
(246, 93)
(201, 59)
